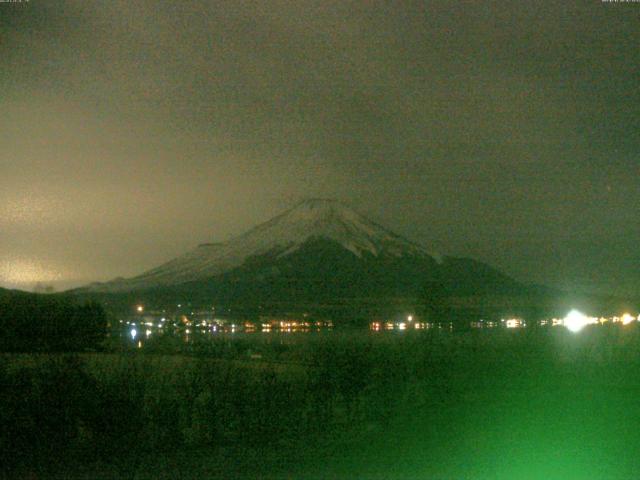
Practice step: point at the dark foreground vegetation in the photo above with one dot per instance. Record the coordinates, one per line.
(49, 323)
(542, 404)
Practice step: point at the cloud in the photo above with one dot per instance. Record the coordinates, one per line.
(146, 128)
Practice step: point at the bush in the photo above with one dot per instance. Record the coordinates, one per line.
(43, 323)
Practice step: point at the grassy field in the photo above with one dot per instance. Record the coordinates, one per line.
(538, 404)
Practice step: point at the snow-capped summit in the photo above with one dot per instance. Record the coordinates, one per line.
(329, 219)
(311, 219)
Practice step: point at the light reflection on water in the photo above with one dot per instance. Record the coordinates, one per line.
(228, 331)
(139, 330)
(269, 333)
(188, 326)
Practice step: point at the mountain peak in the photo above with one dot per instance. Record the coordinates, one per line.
(328, 219)
(316, 218)
(322, 204)
(316, 202)
(320, 209)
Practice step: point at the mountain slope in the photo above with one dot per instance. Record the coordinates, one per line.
(277, 238)
(321, 256)
(321, 270)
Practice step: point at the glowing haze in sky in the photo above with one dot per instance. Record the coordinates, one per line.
(504, 131)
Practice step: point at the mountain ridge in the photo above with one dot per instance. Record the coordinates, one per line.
(319, 256)
(278, 237)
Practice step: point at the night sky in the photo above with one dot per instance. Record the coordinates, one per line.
(505, 131)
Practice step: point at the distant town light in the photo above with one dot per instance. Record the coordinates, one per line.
(410, 318)
(133, 332)
(140, 309)
(575, 321)
(626, 319)
(513, 322)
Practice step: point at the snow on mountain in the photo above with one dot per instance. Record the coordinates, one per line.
(280, 236)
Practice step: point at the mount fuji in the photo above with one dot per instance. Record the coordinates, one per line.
(320, 249)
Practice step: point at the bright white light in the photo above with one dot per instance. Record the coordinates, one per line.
(575, 321)
(626, 319)
(410, 318)
(148, 332)
(134, 332)
(402, 326)
(513, 323)
(140, 308)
